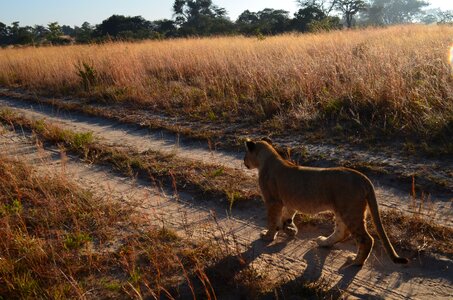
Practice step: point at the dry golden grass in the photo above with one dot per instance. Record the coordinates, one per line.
(395, 80)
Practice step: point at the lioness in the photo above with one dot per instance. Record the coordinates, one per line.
(287, 188)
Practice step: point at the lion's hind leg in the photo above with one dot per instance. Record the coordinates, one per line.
(340, 233)
(364, 243)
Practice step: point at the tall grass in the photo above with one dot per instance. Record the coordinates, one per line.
(395, 79)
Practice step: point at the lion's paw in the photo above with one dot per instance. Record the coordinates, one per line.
(322, 241)
(267, 236)
(290, 230)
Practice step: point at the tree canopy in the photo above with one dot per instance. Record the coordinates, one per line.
(349, 8)
(310, 12)
(385, 12)
(201, 17)
(125, 27)
(266, 21)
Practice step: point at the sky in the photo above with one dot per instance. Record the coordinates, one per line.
(75, 12)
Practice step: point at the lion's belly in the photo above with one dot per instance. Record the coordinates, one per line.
(307, 204)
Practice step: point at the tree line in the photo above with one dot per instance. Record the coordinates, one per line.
(204, 18)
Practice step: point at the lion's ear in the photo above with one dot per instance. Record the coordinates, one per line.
(250, 145)
(267, 139)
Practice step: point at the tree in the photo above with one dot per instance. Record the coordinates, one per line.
(430, 16)
(84, 34)
(445, 17)
(3, 34)
(54, 31)
(274, 21)
(247, 22)
(349, 8)
(201, 17)
(266, 21)
(325, 5)
(438, 16)
(166, 28)
(188, 10)
(40, 31)
(122, 27)
(386, 12)
(309, 12)
(68, 30)
(19, 35)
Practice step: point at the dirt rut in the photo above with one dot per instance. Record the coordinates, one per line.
(284, 259)
(118, 134)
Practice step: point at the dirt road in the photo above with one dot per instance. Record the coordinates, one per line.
(425, 277)
(439, 208)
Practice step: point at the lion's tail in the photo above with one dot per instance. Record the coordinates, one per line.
(373, 207)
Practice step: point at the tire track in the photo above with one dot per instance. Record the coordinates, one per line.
(119, 135)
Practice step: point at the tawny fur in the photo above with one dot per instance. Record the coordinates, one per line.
(287, 188)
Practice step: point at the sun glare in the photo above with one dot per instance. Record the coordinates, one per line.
(451, 58)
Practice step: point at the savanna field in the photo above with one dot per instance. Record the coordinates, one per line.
(97, 204)
(384, 81)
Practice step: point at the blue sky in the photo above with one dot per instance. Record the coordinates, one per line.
(75, 12)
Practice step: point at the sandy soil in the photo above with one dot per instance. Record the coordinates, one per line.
(423, 278)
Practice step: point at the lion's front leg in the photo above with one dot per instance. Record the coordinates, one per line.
(274, 223)
(288, 221)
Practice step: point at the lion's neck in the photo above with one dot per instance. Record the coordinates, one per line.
(269, 158)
